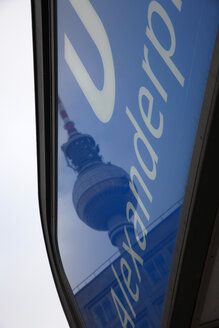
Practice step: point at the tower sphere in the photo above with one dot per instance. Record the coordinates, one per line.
(101, 192)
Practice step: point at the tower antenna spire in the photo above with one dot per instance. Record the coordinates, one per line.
(68, 124)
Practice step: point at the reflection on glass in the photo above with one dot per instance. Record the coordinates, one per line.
(103, 200)
(123, 164)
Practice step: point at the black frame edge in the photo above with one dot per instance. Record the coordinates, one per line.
(44, 47)
(200, 207)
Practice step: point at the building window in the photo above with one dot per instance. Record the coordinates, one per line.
(159, 304)
(143, 324)
(107, 306)
(100, 316)
(152, 272)
(104, 313)
(161, 264)
(171, 248)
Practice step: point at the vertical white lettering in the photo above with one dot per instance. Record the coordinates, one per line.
(119, 305)
(157, 133)
(177, 4)
(101, 101)
(137, 220)
(140, 135)
(127, 279)
(134, 255)
(123, 291)
(155, 7)
(134, 172)
(147, 68)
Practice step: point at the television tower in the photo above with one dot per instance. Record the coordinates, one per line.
(101, 190)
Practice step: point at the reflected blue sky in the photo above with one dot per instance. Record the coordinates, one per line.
(82, 248)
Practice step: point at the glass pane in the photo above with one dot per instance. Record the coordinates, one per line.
(131, 80)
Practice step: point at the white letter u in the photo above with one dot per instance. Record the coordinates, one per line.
(101, 101)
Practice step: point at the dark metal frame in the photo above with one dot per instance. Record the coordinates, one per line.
(198, 220)
(45, 63)
(201, 199)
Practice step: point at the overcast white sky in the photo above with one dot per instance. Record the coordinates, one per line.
(28, 297)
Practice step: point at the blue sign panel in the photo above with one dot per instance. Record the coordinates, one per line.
(131, 80)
